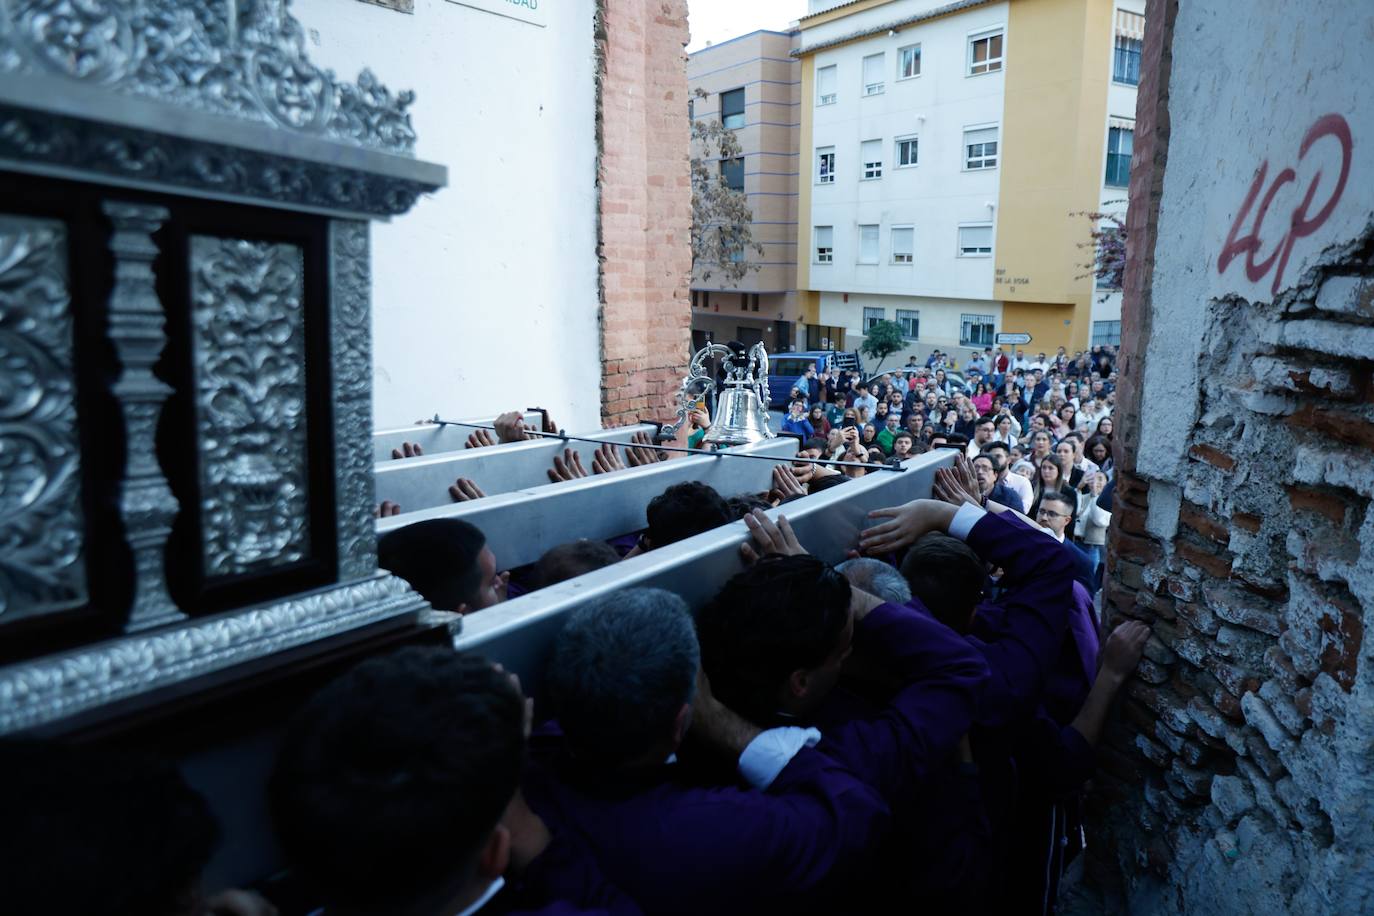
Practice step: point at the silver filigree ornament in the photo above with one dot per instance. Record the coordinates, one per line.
(350, 331)
(41, 522)
(245, 60)
(249, 338)
(136, 327)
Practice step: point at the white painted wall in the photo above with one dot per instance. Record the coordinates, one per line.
(484, 295)
(1230, 111)
(935, 196)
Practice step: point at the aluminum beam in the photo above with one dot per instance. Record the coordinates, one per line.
(422, 483)
(433, 438)
(521, 525)
(520, 633)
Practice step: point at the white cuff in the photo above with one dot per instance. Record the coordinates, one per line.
(964, 520)
(772, 750)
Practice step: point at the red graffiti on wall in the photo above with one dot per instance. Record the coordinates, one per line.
(1300, 224)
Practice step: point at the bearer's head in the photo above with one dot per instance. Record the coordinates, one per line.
(446, 560)
(683, 510)
(947, 577)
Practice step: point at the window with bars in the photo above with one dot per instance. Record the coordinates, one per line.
(985, 53)
(871, 155)
(827, 82)
(975, 241)
(825, 244)
(980, 148)
(1120, 146)
(908, 62)
(907, 149)
(1126, 61)
(872, 316)
(910, 320)
(1106, 333)
(868, 244)
(903, 242)
(732, 109)
(873, 74)
(825, 165)
(977, 330)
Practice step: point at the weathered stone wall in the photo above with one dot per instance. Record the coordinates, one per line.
(646, 207)
(1241, 777)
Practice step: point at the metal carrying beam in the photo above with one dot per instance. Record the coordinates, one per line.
(520, 633)
(422, 483)
(434, 438)
(521, 525)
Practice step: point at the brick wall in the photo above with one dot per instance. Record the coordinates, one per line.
(1240, 775)
(645, 207)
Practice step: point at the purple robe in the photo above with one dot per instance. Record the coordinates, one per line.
(676, 847)
(563, 880)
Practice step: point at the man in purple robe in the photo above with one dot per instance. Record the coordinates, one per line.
(624, 684)
(396, 794)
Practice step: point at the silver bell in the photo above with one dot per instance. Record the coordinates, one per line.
(741, 408)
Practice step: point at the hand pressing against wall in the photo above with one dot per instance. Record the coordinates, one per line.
(464, 490)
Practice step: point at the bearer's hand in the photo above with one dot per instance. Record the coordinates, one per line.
(786, 486)
(386, 509)
(567, 466)
(908, 523)
(606, 459)
(407, 450)
(479, 438)
(464, 490)
(769, 539)
(510, 426)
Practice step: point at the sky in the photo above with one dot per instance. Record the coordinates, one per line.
(720, 20)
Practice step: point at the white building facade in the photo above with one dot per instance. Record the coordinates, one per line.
(903, 130)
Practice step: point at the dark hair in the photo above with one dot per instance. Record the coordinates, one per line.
(391, 778)
(821, 484)
(781, 615)
(742, 504)
(904, 434)
(570, 560)
(621, 669)
(956, 439)
(683, 510)
(1059, 496)
(997, 445)
(438, 557)
(99, 832)
(985, 420)
(1094, 442)
(815, 442)
(947, 577)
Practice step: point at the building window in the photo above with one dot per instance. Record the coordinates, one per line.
(906, 152)
(825, 244)
(980, 148)
(975, 241)
(985, 53)
(903, 240)
(908, 62)
(1106, 333)
(910, 322)
(872, 317)
(1120, 145)
(868, 244)
(732, 109)
(732, 170)
(873, 74)
(871, 155)
(827, 81)
(1130, 40)
(976, 330)
(825, 165)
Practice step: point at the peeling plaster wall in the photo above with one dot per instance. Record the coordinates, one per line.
(1241, 775)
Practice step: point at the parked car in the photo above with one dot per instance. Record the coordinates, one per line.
(785, 368)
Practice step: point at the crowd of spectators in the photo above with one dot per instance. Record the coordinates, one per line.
(910, 729)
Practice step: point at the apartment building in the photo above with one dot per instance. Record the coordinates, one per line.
(752, 83)
(948, 150)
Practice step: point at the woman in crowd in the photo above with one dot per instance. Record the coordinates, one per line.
(982, 398)
(819, 424)
(1104, 428)
(1006, 429)
(1099, 452)
(1068, 414)
(1040, 447)
(1050, 479)
(1091, 527)
(869, 437)
(1064, 455)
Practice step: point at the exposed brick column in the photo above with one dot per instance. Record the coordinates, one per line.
(1224, 786)
(645, 191)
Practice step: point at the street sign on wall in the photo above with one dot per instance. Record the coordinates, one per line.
(1015, 340)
